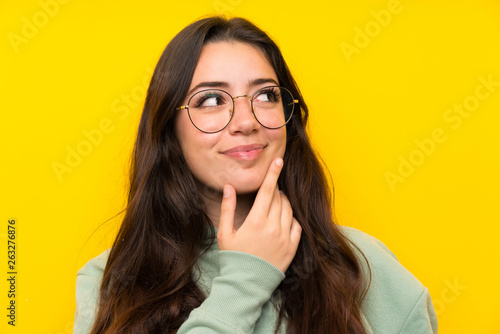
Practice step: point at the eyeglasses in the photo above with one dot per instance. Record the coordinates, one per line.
(211, 110)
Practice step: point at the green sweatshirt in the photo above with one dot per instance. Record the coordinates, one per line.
(239, 287)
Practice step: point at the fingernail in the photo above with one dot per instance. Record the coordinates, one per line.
(279, 162)
(227, 192)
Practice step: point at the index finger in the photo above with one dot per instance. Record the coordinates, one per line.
(268, 186)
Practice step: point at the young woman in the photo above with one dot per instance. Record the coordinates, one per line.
(228, 227)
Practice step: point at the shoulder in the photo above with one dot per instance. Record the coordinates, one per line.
(96, 265)
(89, 277)
(88, 283)
(385, 269)
(366, 241)
(395, 299)
(380, 258)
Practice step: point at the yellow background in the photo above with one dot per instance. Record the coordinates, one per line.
(82, 67)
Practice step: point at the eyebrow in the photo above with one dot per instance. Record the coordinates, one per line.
(222, 84)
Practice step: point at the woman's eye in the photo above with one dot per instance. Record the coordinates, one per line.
(267, 96)
(209, 101)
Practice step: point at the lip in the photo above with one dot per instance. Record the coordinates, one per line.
(245, 152)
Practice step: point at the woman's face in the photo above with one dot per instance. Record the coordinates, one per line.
(242, 152)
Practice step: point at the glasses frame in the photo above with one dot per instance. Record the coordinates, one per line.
(186, 107)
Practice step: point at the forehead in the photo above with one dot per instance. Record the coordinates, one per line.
(236, 63)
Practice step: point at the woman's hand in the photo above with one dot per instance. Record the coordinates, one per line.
(269, 231)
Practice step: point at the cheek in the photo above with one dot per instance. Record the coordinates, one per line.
(197, 147)
(279, 137)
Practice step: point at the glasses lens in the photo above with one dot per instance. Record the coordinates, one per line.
(210, 110)
(273, 106)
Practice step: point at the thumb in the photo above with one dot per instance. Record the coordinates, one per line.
(227, 209)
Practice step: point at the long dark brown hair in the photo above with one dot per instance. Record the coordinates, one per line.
(148, 284)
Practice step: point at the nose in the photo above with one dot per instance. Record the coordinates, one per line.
(243, 119)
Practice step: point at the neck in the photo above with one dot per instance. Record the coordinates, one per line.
(213, 202)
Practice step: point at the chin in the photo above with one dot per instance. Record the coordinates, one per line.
(243, 183)
(247, 183)
(246, 191)
(247, 188)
